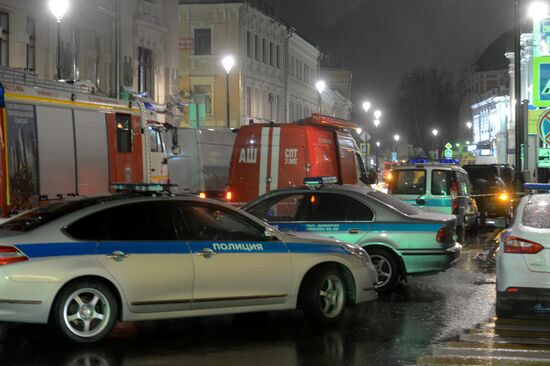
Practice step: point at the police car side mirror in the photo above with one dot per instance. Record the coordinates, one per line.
(501, 223)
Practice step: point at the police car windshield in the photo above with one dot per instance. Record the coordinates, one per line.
(536, 213)
(396, 203)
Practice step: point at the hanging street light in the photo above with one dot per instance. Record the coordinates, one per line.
(58, 8)
(228, 62)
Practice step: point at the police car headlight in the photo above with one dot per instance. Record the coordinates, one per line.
(356, 250)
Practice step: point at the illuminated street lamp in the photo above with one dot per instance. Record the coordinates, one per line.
(320, 85)
(538, 10)
(376, 122)
(469, 125)
(366, 106)
(435, 132)
(377, 114)
(396, 138)
(228, 62)
(58, 8)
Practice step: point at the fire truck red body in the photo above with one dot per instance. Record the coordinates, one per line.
(56, 140)
(272, 156)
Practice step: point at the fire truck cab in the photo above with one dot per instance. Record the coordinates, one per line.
(280, 155)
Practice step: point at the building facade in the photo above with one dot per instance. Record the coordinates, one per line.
(273, 78)
(109, 45)
(490, 129)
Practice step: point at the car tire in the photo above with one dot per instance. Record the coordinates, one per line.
(85, 311)
(503, 311)
(387, 269)
(324, 296)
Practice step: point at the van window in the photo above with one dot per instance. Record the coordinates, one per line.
(155, 140)
(408, 181)
(441, 182)
(123, 133)
(463, 183)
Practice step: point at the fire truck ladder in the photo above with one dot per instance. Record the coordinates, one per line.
(30, 78)
(147, 165)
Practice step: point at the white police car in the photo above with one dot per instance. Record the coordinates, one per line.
(441, 187)
(523, 257)
(85, 263)
(400, 239)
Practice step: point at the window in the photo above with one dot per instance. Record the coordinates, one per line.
(248, 44)
(206, 92)
(441, 182)
(4, 43)
(31, 45)
(264, 51)
(212, 223)
(145, 70)
(271, 54)
(277, 58)
(145, 221)
(278, 209)
(333, 207)
(257, 47)
(123, 133)
(408, 181)
(248, 101)
(203, 41)
(155, 140)
(536, 213)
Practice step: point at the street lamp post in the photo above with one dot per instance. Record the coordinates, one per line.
(228, 62)
(58, 9)
(396, 138)
(436, 152)
(320, 86)
(377, 155)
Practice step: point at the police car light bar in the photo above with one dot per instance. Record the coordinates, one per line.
(142, 187)
(537, 186)
(449, 161)
(418, 161)
(319, 181)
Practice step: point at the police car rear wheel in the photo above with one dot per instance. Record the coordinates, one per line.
(85, 311)
(386, 268)
(324, 295)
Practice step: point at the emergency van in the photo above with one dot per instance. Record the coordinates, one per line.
(198, 160)
(59, 140)
(280, 155)
(439, 187)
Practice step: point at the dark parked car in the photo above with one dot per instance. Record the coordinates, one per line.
(493, 189)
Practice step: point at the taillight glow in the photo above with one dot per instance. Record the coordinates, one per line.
(512, 290)
(202, 195)
(10, 255)
(441, 235)
(228, 195)
(515, 245)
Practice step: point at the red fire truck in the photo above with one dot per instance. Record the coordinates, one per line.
(59, 140)
(271, 156)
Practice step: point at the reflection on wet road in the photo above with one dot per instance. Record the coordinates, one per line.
(395, 330)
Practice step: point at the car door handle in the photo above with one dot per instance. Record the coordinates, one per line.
(354, 231)
(206, 253)
(117, 255)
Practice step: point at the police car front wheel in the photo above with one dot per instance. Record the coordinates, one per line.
(323, 296)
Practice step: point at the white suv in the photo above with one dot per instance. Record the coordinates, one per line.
(523, 258)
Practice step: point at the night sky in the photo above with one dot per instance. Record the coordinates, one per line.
(381, 39)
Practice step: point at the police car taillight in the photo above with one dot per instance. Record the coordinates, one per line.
(228, 195)
(10, 255)
(515, 245)
(441, 235)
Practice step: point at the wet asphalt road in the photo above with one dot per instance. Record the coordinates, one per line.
(395, 330)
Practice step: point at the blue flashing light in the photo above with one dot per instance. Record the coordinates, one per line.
(537, 186)
(449, 161)
(319, 181)
(418, 161)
